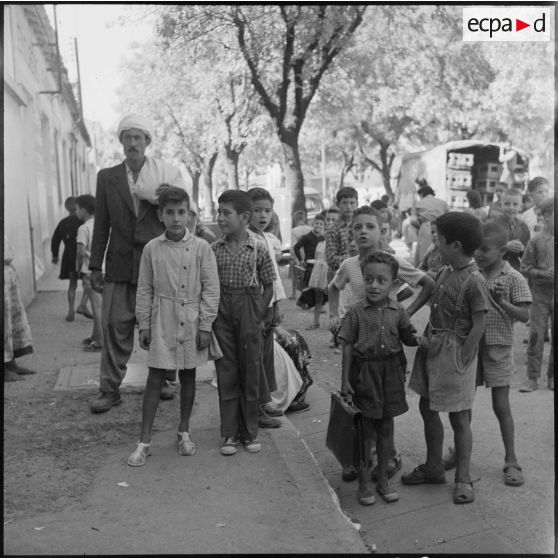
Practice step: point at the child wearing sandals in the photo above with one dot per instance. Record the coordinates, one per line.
(176, 304)
(373, 367)
(444, 373)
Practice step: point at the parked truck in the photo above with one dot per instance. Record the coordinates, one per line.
(456, 167)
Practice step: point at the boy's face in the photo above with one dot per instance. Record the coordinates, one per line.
(229, 221)
(385, 214)
(262, 211)
(510, 205)
(347, 207)
(489, 252)
(318, 227)
(175, 217)
(539, 194)
(353, 248)
(378, 281)
(330, 219)
(449, 251)
(80, 212)
(434, 233)
(366, 231)
(548, 218)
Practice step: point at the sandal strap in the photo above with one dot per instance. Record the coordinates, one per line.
(510, 466)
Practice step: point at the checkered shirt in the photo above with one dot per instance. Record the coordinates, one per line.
(499, 324)
(235, 270)
(337, 243)
(377, 331)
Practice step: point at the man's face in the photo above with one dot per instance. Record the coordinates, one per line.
(510, 205)
(134, 142)
(347, 207)
(539, 194)
(262, 211)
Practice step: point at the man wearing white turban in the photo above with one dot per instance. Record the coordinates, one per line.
(125, 220)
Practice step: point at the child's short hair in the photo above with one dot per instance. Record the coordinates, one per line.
(474, 199)
(240, 200)
(87, 202)
(332, 209)
(70, 203)
(536, 182)
(547, 206)
(462, 227)
(368, 210)
(383, 258)
(497, 231)
(258, 194)
(379, 205)
(172, 194)
(320, 216)
(512, 192)
(346, 192)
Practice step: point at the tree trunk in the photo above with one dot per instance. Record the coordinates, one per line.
(348, 163)
(386, 169)
(293, 170)
(231, 162)
(209, 212)
(195, 176)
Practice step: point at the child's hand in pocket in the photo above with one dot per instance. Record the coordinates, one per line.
(423, 342)
(145, 339)
(203, 339)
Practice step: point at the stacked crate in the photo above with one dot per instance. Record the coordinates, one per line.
(488, 176)
(459, 166)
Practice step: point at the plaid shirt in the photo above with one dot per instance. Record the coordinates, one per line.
(516, 231)
(377, 331)
(236, 270)
(499, 324)
(337, 243)
(539, 254)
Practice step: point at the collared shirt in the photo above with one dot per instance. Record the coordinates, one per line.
(517, 230)
(273, 245)
(499, 324)
(539, 254)
(337, 243)
(84, 237)
(444, 313)
(532, 219)
(377, 330)
(236, 270)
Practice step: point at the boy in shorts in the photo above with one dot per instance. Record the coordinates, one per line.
(444, 373)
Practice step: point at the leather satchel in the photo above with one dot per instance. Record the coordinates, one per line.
(345, 436)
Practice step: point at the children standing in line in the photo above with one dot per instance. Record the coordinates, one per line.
(538, 266)
(176, 304)
(66, 232)
(262, 211)
(85, 212)
(444, 374)
(246, 275)
(517, 231)
(510, 299)
(374, 364)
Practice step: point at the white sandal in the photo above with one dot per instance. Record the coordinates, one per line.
(185, 444)
(139, 457)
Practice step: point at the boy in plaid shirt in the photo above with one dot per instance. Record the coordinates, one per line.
(246, 275)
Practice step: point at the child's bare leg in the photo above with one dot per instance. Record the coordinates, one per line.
(71, 298)
(463, 439)
(84, 298)
(433, 435)
(318, 307)
(155, 381)
(384, 439)
(187, 395)
(502, 410)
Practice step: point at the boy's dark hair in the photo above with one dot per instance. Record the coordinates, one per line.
(536, 182)
(70, 203)
(498, 232)
(425, 190)
(547, 206)
(320, 216)
(462, 227)
(332, 209)
(346, 192)
(240, 200)
(258, 194)
(379, 205)
(474, 198)
(383, 258)
(172, 194)
(385, 198)
(87, 202)
(368, 210)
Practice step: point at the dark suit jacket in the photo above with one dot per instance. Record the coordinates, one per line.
(116, 224)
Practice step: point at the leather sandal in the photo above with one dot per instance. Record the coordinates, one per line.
(512, 474)
(140, 455)
(463, 492)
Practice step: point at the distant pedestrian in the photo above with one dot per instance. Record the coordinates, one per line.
(299, 229)
(66, 233)
(495, 206)
(176, 304)
(432, 261)
(444, 373)
(538, 190)
(373, 367)
(246, 275)
(537, 265)
(475, 205)
(517, 231)
(17, 333)
(85, 211)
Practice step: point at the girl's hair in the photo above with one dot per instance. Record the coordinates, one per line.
(367, 210)
(474, 198)
(346, 192)
(258, 194)
(462, 227)
(87, 202)
(382, 258)
(497, 231)
(172, 194)
(240, 200)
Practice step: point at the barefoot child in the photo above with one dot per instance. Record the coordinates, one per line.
(373, 366)
(444, 374)
(176, 304)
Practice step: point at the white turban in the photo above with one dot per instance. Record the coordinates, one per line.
(135, 121)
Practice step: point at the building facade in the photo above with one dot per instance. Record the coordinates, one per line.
(47, 149)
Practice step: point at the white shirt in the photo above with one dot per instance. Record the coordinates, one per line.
(274, 247)
(84, 236)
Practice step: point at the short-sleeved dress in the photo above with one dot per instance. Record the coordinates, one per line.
(318, 278)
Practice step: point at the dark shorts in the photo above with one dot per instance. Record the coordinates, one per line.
(379, 385)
